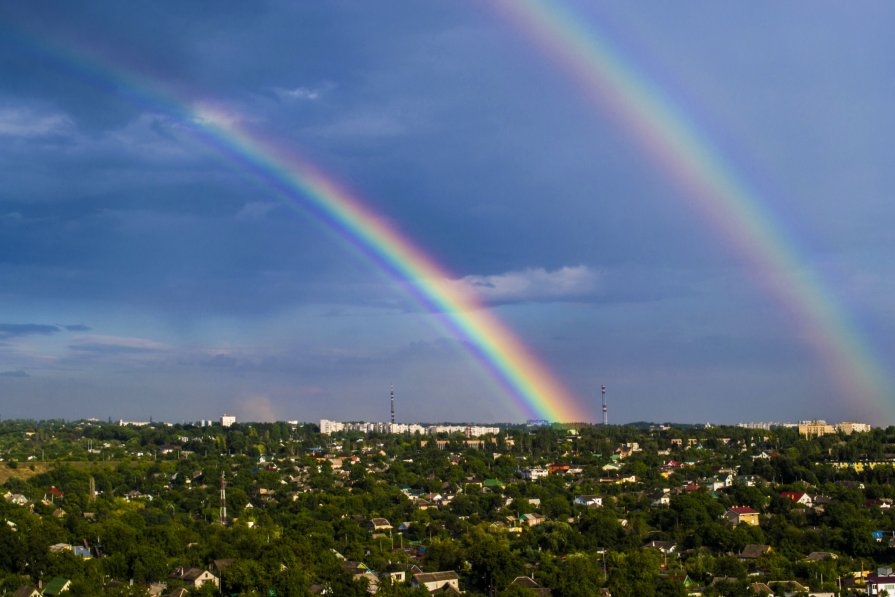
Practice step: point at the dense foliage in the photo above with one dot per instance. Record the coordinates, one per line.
(142, 501)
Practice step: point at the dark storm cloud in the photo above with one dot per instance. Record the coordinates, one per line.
(458, 130)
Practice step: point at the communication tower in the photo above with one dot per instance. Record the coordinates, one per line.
(223, 500)
(392, 396)
(605, 410)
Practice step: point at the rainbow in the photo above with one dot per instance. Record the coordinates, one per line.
(712, 187)
(533, 389)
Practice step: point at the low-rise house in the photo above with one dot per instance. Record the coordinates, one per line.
(16, 498)
(436, 581)
(660, 498)
(57, 586)
(532, 520)
(741, 515)
(821, 556)
(761, 589)
(883, 580)
(533, 474)
(26, 591)
(753, 551)
(531, 586)
(588, 501)
(798, 497)
(665, 547)
(493, 484)
(379, 524)
(788, 587)
(196, 577)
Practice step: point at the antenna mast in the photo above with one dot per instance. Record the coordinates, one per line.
(605, 410)
(392, 396)
(223, 500)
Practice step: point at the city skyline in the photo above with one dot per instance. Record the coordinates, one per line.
(497, 208)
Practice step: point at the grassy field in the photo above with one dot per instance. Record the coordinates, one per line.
(26, 470)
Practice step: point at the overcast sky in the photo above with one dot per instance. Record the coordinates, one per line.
(144, 275)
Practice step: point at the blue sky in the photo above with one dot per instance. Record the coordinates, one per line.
(142, 274)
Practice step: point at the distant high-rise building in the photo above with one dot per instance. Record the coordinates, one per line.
(227, 420)
(392, 394)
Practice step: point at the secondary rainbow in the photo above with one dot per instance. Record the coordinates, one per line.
(711, 186)
(534, 390)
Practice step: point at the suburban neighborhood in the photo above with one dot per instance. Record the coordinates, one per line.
(101, 508)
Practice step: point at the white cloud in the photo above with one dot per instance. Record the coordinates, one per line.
(215, 114)
(256, 210)
(301, 93)
(25, 122)
(116, 344)
(531, 285)
(372, 124)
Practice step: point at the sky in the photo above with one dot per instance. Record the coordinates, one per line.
(145, 272)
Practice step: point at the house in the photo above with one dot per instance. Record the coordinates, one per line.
(16, 498)
(493, 484)
(665, 547)
(435, 581)
(218, 566)
(798, 497)
(57, 586)
(660, 498)
(533, 474)
(531, 586)
(753, 551)
(759, 588)
(194, 576)
(588, 501)
(379, 524)
(26, 591)
(532, 520)
(883, 580)
(789, 587)
(821, 556)
(742, 515)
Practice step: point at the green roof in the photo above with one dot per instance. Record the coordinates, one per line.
(56, 586)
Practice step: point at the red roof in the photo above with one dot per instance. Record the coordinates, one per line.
(56, 492)
(743, 510)
(793, 495)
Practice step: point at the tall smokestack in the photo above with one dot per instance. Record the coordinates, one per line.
(392, 395)
(605, 410)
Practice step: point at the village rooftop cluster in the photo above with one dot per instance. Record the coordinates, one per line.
(95, 508)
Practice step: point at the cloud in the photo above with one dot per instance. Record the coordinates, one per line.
(531, 285)
(16, 373)
(367, 125)
(25, 122)
(16, 330)
(256, 210)
(116, 345)
(301, 93)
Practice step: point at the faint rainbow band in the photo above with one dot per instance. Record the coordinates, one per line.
(712, 187)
